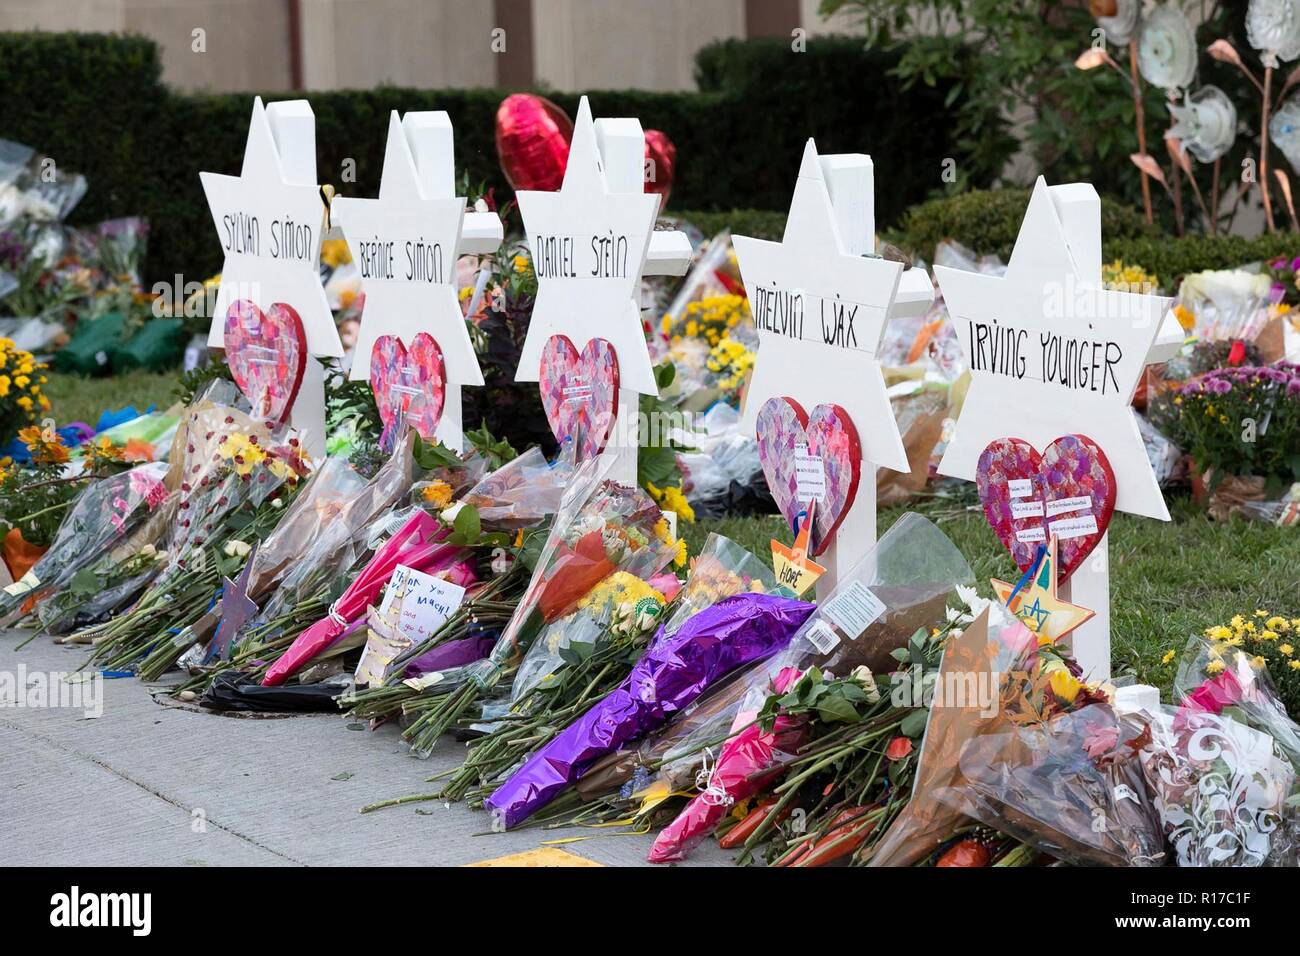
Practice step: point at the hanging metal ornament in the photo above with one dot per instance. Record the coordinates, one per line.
(1167, 49)
(1206, 123)
(1118, 18)
(1273, 28)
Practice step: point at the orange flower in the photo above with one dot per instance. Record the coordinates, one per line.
(137, 449)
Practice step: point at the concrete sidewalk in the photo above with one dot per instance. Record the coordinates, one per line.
(152, 784)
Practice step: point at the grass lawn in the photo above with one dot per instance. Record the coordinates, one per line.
(1168, 580)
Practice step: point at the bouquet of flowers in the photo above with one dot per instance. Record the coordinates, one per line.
(1022, 682)
(673, 673)
(305, 588)
(22, 396)
(574, 661)
(904, 584)
(1071, 786)
(602, 527)
(521, 493)
(235, 475)
(1206, 419)
(1254, 656)
(106, 511)
(419, 544)
(1221, 790)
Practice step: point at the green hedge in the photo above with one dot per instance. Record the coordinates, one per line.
(987, 222)
(1169, 259)
(758, 223)
(95, 103)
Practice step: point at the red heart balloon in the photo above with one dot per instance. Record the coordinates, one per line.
(579, 392)
(533, 136)
(660, 161)
(1068, 490)
(267, 355)
(827, 442)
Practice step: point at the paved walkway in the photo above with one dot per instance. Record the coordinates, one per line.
(149, 783)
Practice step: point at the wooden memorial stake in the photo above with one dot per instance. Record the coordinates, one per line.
(824, 272)
(1051, 302)
(293, 125)
(418, 208)
(592, 240)
(621, 143)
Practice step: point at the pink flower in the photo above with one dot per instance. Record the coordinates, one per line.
(1216, 693)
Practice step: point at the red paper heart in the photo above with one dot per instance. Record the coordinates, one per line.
(410, 385)
(579, 392)
(267, 355)
(1068, 490)
(830, 438)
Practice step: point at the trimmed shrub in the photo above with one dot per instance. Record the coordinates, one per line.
(988, 221)
(96, 104)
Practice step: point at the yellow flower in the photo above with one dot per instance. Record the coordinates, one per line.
(1213, 667)
(1169, 656)
(1065, 685)
(679, 559)
(1186, 318)
(1294, 665)
(1261, 613)
(1286, 650)
(1218, 632)
(437, 493)
(1277, 623)
(1268, 635)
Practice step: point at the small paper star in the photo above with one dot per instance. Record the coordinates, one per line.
(1034, 602)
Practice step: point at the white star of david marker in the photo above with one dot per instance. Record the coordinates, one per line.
(405, 244)
(270, 231)
(820, 315)
(589, 248)
(1052, 353)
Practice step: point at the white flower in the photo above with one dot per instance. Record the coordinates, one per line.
(862, 676)
(448, 514)
(235, 548)
(277, 502)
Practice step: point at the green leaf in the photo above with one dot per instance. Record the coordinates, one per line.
(835, 708)
(84, 582)
(467, 524)
(913, 724)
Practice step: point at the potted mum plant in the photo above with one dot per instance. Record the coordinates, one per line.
(1241, 428)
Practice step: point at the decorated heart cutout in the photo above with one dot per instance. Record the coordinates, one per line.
(579, 392)
(807, 456)
(1068, 490)
(410, 385)
(267, 355)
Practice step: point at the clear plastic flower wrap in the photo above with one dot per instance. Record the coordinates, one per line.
(1071, 787)
(621, 608)
(1218, 678)
(227, 460)
(103, 514)
(721, 569)
(521, 493)
(601, 527)
(342, 539)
